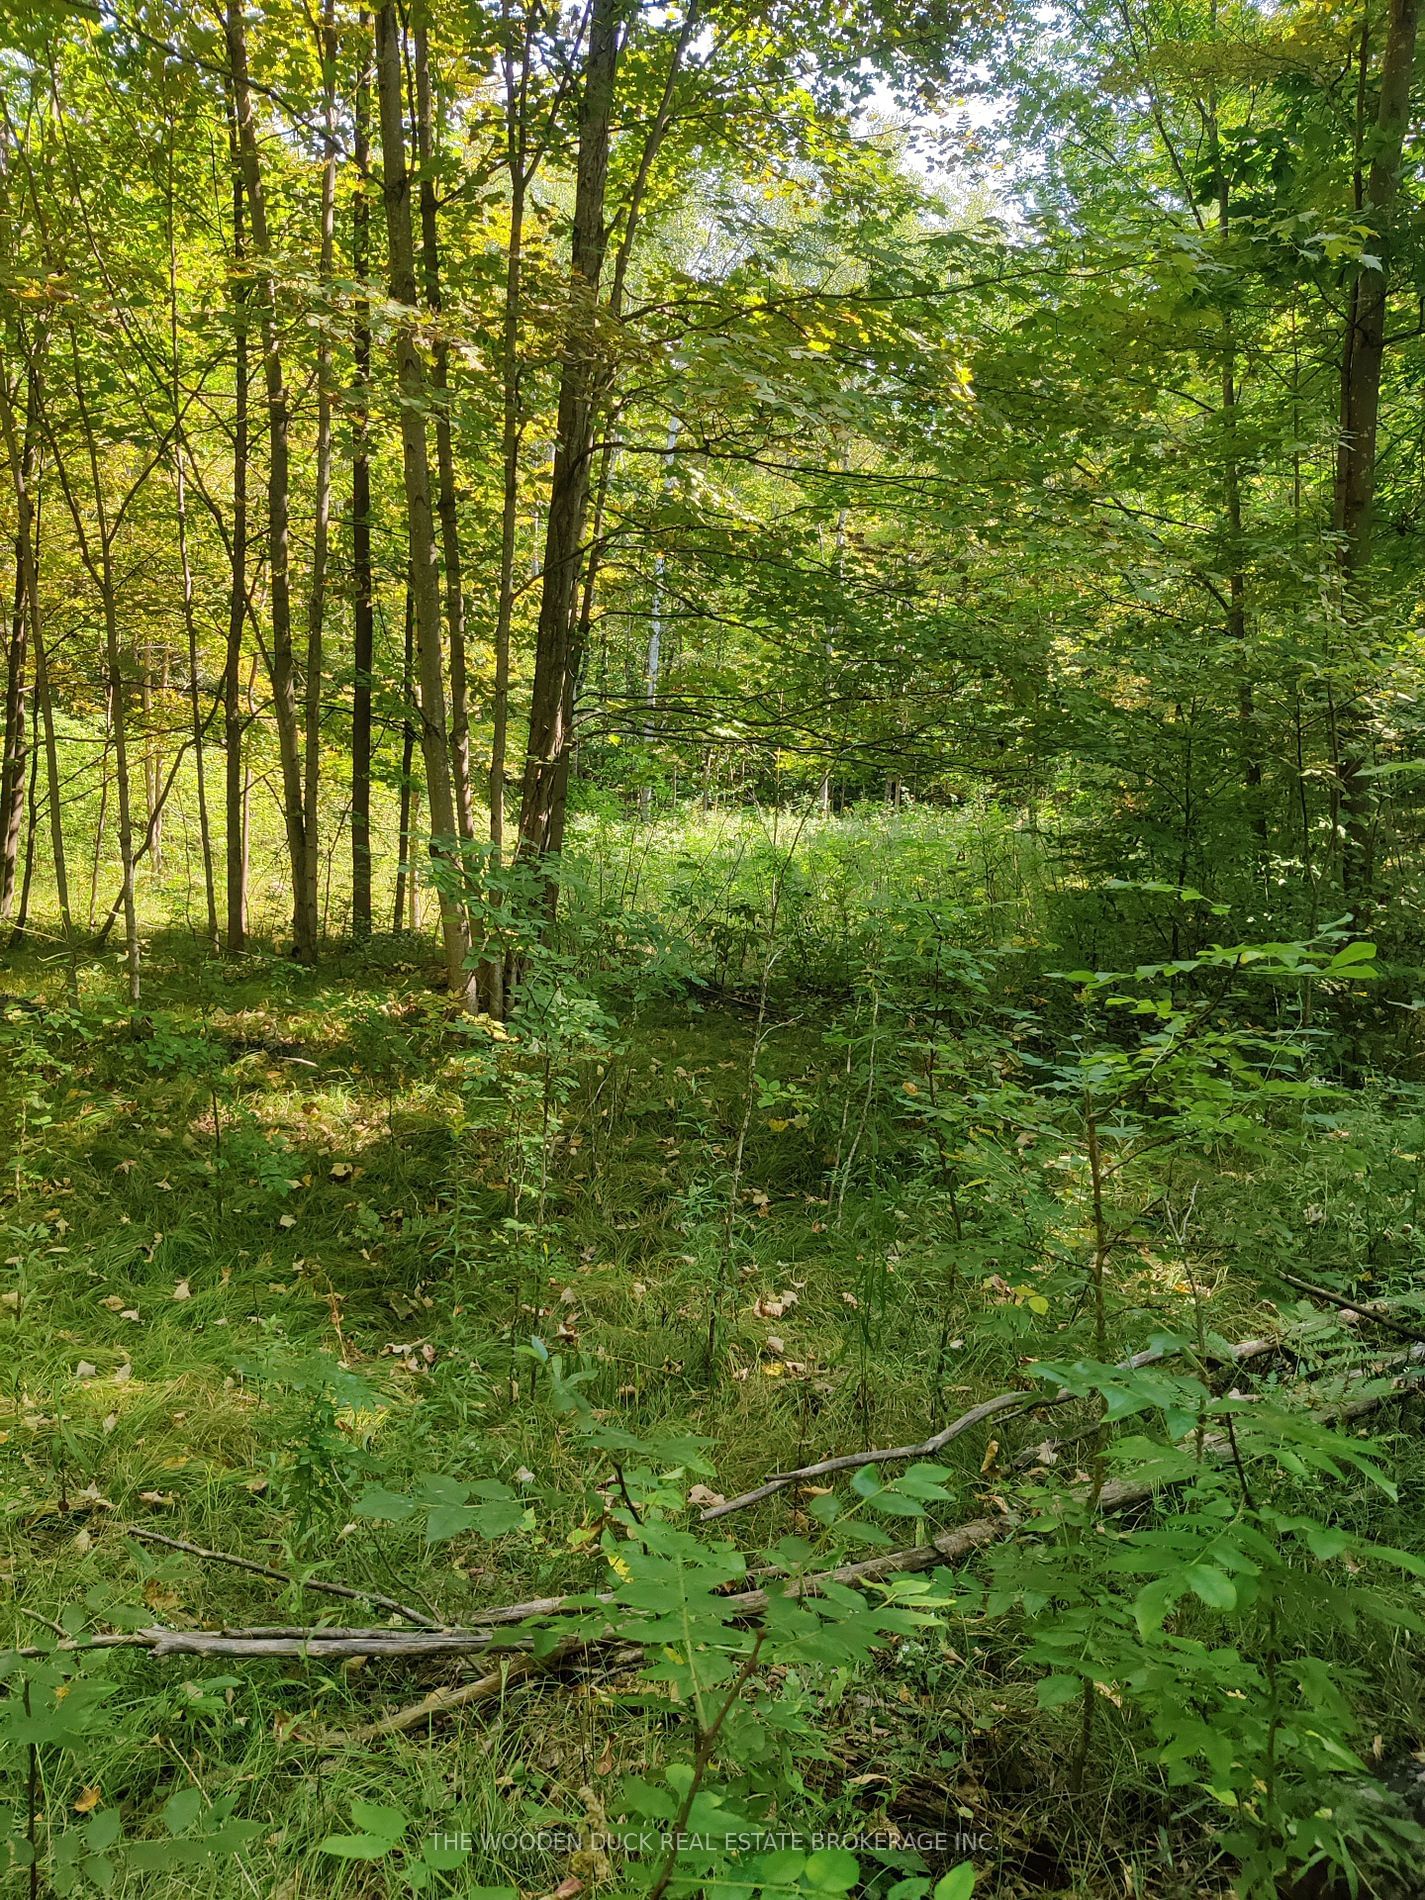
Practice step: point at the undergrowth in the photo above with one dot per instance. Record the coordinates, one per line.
(771, 1162)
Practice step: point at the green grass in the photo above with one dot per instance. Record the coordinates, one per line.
(267, 1171)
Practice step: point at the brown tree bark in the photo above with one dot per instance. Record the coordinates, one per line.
(26, 546)
(321, 524)
(14, 758)
(424, 570)
(190, 623)
(1362, 359)
(405, 830)
(515, 73)
(363, 610)
(555, 660)
(585, 384)
(446, 503)
(283, 665)
(234, 723)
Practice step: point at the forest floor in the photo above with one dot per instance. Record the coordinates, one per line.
(266, 1250)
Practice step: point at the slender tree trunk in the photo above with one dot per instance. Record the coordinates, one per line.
(654, 664)
(551, 696)
(26, 545)
(149, 750)
(284, 685)
(446, 504)
(491, 980)
(405, 865)
(14, 763)
(22, 913)
(363, 612)
(321, 526)
(1236, 578)
(97, 554)
(425, 577)
(235, 796)
(1363, 355)
(190, 623)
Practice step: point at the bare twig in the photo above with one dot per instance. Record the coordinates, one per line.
(1015, 1403)
(348, 1590)
(1366, 1309)
(452, 1696)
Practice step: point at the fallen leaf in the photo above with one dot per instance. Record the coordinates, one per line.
(88, 1800)
(773, 1305)
(700, 1494)
(182, 1291)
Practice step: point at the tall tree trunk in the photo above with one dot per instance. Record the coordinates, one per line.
(321, 525)
(654, 662)
(14, 757)
(446, 506)
(404, 830)
(424, 571)
(545, 771)
(149, 747)
(491, 980)
(284, 685)
(582, 390)
(1363, 355)
(97, 554)
(1250, 738)
(234, 787)
(22, 913)
(362, 611)
(190, 622)
(26, 545)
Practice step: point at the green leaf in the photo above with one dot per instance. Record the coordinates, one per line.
(832, 1870)
(958, 1884)
(182, 1809)
(1216, 1590)
(376, 1818)
(357, 1846)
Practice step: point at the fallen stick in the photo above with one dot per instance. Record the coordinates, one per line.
(446, 1700)
(1370, 1309)
(281, 1576)
(1015, 1403)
